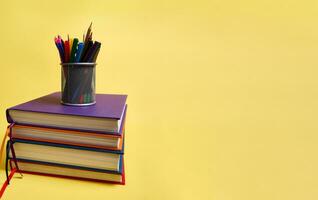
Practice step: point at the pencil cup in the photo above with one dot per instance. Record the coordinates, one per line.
(78, 84)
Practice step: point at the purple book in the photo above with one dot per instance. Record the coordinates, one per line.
(106, 116)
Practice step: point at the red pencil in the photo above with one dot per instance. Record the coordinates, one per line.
(67, 51)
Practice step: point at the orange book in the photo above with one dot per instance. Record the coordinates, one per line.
(68, 137)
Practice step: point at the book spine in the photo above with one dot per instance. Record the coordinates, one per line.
(9, 119)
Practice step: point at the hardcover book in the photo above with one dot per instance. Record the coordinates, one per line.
(66, 155)
(67, 172)
(69, 137)
(106, 116)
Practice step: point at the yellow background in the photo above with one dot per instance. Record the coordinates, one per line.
(222, 94)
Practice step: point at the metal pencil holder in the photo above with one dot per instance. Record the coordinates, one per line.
(78, 84)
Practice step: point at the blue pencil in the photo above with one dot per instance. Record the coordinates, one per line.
(60, 51)
(79, 52)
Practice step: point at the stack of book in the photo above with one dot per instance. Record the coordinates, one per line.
(52, 139)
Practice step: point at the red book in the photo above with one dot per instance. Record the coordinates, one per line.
(67, 172)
